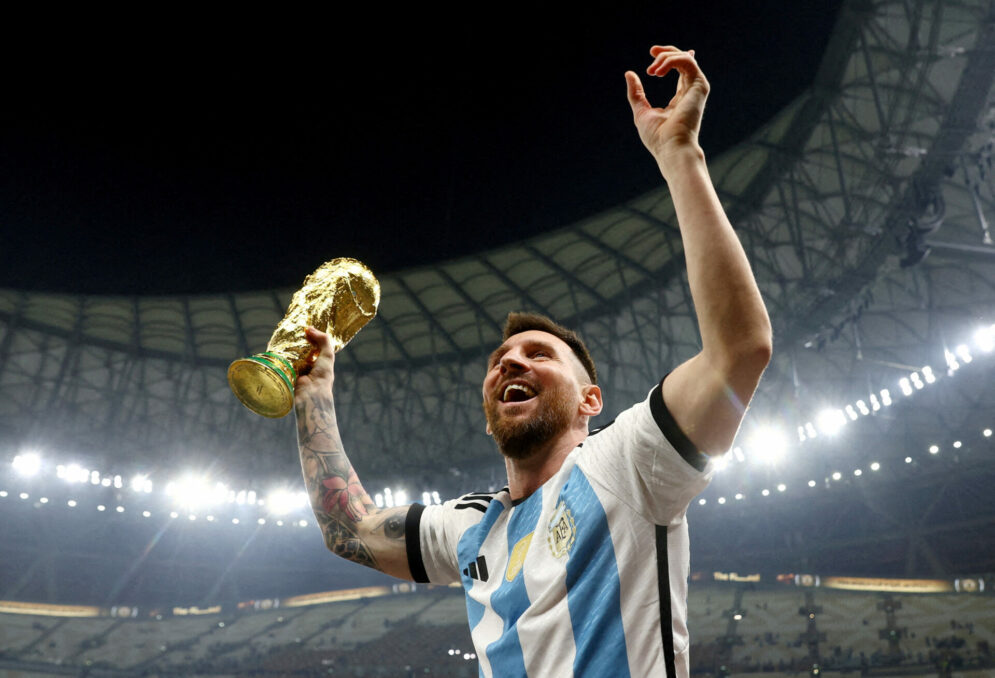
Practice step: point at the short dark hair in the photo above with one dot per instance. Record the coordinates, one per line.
(524, 322)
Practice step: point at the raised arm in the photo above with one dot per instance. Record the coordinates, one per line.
(351, 524)
(708, 394)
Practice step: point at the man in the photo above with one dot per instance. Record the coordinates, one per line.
(578, 567)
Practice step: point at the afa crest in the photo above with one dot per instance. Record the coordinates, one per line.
(562, 531)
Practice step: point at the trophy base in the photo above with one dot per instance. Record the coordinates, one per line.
(264, 383)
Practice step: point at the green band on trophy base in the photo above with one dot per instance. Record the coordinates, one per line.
(263, 385)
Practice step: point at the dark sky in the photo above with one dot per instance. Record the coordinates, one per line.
(240, 157)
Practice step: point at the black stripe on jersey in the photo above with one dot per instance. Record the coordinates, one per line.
(412, 543)
(663, 584)
(482, 509)
(672, 432)
(482, 497)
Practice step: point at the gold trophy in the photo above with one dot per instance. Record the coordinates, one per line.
(339, 298)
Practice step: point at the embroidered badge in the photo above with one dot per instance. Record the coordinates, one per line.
(562, 531)
(517, 558)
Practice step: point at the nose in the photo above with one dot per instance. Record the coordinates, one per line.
(512, 361)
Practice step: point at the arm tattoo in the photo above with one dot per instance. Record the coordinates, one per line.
(339, 501)
(392, 526)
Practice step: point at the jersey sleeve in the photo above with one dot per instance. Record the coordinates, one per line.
(647, 462)
(432, 535)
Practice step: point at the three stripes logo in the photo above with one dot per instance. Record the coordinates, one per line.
(477, 569)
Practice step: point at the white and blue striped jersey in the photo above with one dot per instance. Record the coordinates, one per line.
(588, 575)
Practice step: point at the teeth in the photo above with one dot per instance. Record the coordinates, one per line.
(518, 387)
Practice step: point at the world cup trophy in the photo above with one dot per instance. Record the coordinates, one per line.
(339, 298)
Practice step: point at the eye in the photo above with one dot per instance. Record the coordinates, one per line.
(540, 354)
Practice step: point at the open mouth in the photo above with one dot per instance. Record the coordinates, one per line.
(517, 393)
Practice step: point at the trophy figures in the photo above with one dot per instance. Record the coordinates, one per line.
(339, 298)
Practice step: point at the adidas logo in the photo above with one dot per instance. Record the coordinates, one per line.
(477, 569)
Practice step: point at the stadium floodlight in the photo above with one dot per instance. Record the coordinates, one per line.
(120, 509)
(302, 523)
(957, 444)
(857, 472)
(738, 453)
(767, 445)
(830, 421)
(94, 477)
(934, 449)
(141, 483)
(875, 405)
(951, 360)
(984, 339)
(118, 482)
(3, 493)
(378, 500)
(964, 353)
(782, 487)
(837, 475)
(24, 495)
(437, 500)
(801, 434)
(147, 514)
(282, 502)
(739, 496)
(917, 381)
(101, 507)
(27, 464)
(261, 521)
(987, 433)
(811, 483)
(862, 406)
(908, 460)
(927, 372)
(426, 498)
(765, 492)
(886, 397)
(720, 463)
(106, 482)
(234, 521)
(810, 429)
(71, 503)
(174, 514)
(850, 412)
(702, 502)
(875, 466)
(43, 500)
(722, 500)
(905, 385)
(279, 523)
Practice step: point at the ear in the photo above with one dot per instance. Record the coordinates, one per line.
(590, 404)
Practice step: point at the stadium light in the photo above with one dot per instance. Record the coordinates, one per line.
(27, 464)
(831, 421)
(875, 466)
(927, 372)
(984, 339)
(964, 353)
(282, 502)
(934, 449)
(767, 445)
(886, 397)
(987, 433)
(957, 444)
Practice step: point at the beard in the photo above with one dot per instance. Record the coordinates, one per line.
(520, 439)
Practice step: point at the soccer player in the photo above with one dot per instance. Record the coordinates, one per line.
(579, 566)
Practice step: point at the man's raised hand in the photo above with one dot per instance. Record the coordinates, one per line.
(668, 130)
(321, 375)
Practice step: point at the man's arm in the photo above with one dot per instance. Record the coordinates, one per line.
(351, 524)
(708, 394)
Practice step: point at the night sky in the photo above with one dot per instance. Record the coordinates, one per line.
(237, 157)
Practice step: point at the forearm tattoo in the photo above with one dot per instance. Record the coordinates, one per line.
(339, 501)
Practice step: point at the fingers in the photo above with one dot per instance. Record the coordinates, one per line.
(320, 340)
(668, 60)
(635, 93)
